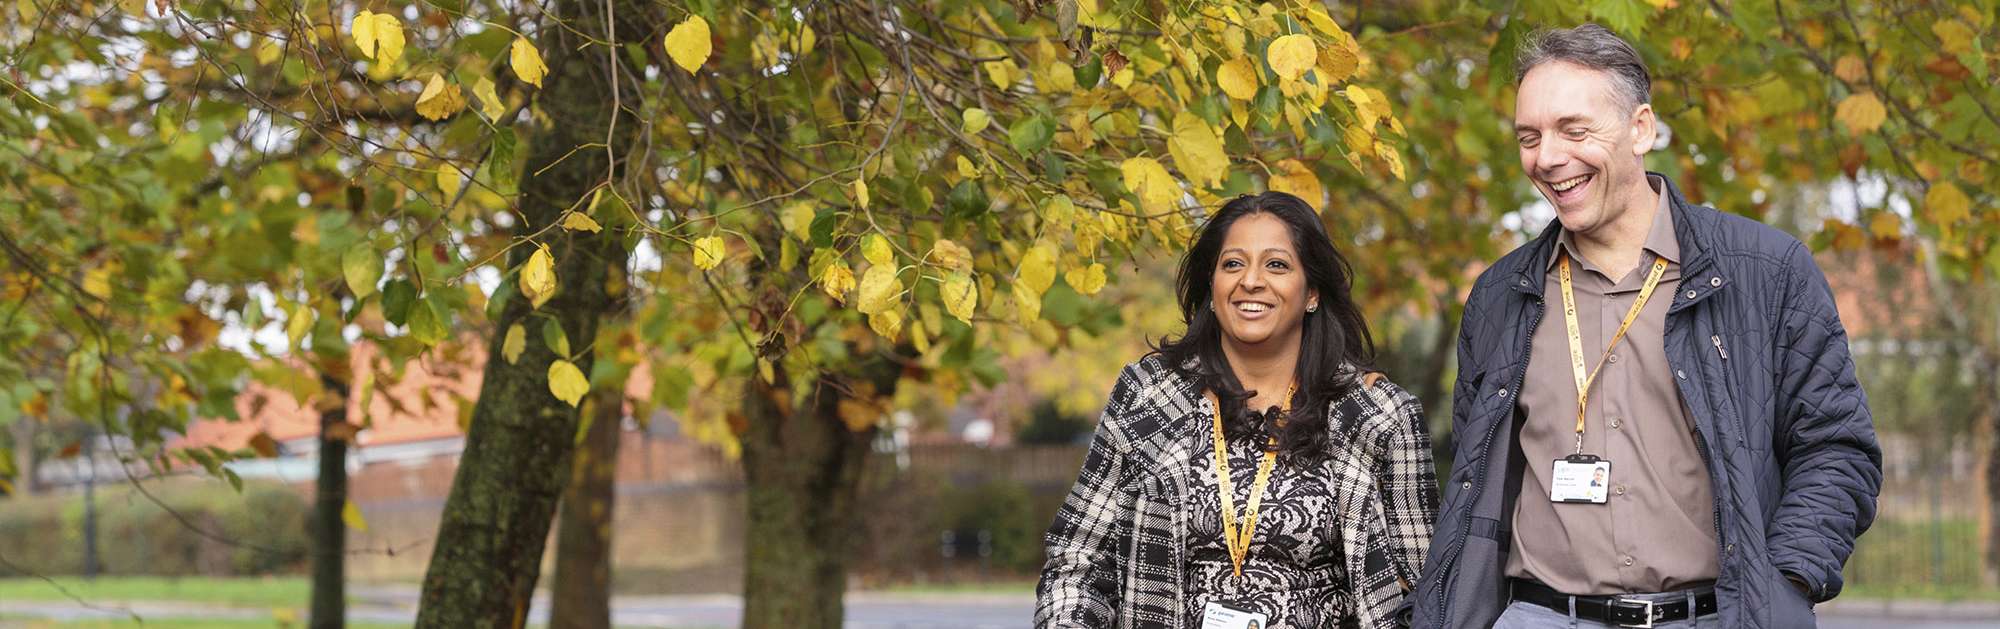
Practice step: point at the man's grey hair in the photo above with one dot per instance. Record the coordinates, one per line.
(1593, 47)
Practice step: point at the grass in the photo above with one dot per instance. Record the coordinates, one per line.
(1918, 560)
(232, 592)
(149, 623)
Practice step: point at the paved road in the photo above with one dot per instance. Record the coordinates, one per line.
(912, 611)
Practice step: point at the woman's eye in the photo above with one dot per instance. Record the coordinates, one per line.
(1231, 264)
(1278, 264)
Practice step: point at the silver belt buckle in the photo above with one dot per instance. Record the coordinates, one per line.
(1649, 614)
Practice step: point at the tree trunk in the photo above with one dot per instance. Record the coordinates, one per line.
(582, 588)
(516, 459)
(329, 549)
(803, 467)
(25, 482)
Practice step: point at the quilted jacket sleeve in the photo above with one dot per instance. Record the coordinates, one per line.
(1825, 436)
(1081, 582)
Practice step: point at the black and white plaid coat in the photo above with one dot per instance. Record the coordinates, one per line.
(1116, 552)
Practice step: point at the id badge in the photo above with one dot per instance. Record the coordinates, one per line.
(1219, 616)
(1580, 478)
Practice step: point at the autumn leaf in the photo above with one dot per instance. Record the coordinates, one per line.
(1861, 113)
(538, 276)
(1198, 151)
(440, 100)
(951, 255)
(566, 382)
(447, 181)
(879, 289)
(1038, 268)
(689, 44)
(975, 121)
(362, 267)
(1238, 78)
(1291, 55)
(1851, 69)
(961, 296)
(578, 221)
(527, 62)
(861, 193)
(1146, 178)
(350, 514)
(379, 36)
(708, 252)
(1955, 36)
(836, 280)
(1294, 178)
(887, 323)
(264, 445)
(1027, 303)
(857, 414)
(515, 343)
(1886, 224)
(797, 220)
(489, 100)
(1947, 204)
(298, 324)
(875, 249)
(1086, 280)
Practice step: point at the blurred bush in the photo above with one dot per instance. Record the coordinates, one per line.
(259, 531)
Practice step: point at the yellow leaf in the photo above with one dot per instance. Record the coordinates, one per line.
(379, 36)
(1886, 225)
(1157, 190)
(1290, 56)
(1238, 78)
(527, 62)
(880, 288)
(516, 342)
(857, 414)
(489, 100)
(440, 99)
(350, 514)
(447, 181)
(1239, 114)
(566, 382)
(951, 255)
(887, 323)
(861, 193)
(1086, 280)
(708, 252)
(97, 282)
(807, 39)
(1322, 22)
(300, 323)
(690, 43)
(1861, 112)
(918, 338)
(1038, 268)
(1947, 204)
(1001, 72)
(1364, 106)
(975, 120)
(1851, 69)
(538, 276)
(836, 280)
(966, 169)
(1340, 61)
(797, 219)
(961, 296)
(1027, 303)
(268, 51)
(578, 221)
(1956, 37)
(1197, 150)
(1389, 156)
(1296, 179)
(875, 249)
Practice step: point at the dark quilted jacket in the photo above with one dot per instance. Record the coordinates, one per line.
(1757, 348)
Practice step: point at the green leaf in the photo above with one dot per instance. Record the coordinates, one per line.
(397, 299)
(554, 338)
(428, 322)
(362, 266)
(1626, 17)
(1031, 134)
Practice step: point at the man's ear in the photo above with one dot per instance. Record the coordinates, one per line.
(1645, 129)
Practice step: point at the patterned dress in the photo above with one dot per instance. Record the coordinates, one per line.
(1294, 572)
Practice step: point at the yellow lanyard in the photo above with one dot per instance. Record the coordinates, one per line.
(1239, 542)
(1583, 381)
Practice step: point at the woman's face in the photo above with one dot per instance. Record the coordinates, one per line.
(1259, 291)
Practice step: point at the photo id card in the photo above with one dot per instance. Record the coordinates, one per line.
(1218, 616)
(1580, 478)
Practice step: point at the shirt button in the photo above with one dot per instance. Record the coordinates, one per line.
(1714, 281)
(1620, 489)
(1614, 359)
(1614, 423)
(1628, 560)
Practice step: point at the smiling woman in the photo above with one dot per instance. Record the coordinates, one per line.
(1207, 422)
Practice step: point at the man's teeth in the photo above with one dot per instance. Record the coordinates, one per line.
(1564, 186)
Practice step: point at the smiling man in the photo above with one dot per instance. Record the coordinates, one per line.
(1689, 360)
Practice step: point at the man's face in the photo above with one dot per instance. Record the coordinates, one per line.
(1581, 141)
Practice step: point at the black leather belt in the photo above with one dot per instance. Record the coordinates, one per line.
(1617, 610)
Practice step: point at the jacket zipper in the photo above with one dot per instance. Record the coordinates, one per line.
(1708, 460)
(1479, 477)
(1717, 340)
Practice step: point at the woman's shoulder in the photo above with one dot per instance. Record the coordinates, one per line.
(1150, 399)
(1376, 405)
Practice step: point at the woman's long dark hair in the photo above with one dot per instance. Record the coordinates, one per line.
(1335, 338)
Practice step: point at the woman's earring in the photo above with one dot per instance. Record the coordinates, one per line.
(1312, 306)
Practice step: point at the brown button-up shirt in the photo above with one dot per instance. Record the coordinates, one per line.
(1657, 531)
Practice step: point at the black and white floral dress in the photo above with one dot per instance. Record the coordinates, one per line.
(1295, 572)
